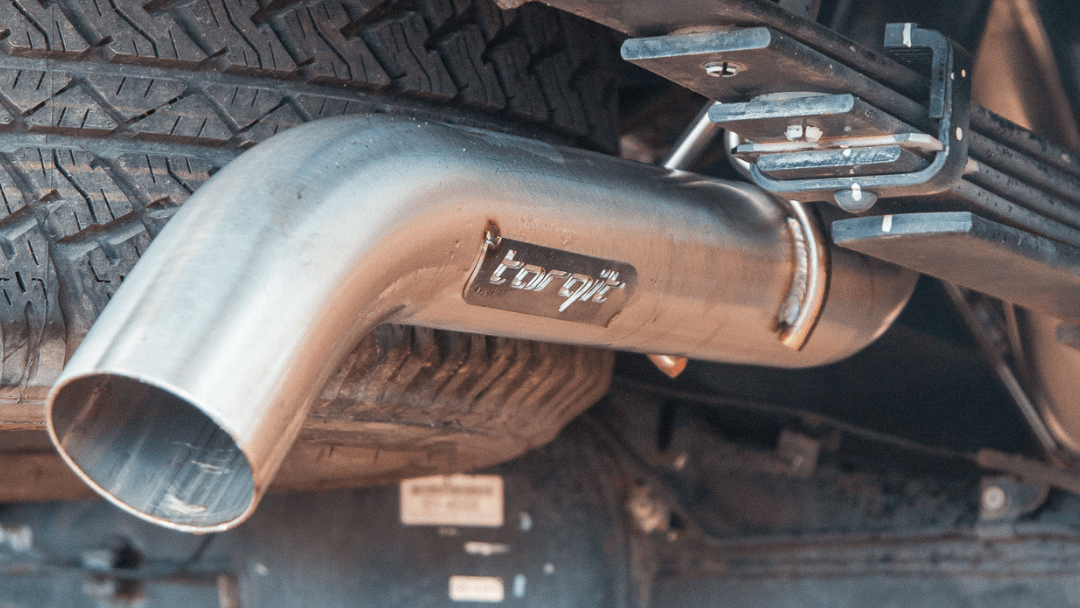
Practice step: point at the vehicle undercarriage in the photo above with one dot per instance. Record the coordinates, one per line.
(559, 303)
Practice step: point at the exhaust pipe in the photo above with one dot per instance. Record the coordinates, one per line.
(186, 394)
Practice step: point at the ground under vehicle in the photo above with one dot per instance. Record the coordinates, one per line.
(658, 516)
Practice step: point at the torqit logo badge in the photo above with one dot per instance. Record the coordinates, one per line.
(541, 281)
(576, 288)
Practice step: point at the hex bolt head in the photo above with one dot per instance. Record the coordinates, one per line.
(724, 69)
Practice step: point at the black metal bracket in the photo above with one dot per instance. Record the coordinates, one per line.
(739, 50)
(822, 130)
(950, 93)
(971, 251)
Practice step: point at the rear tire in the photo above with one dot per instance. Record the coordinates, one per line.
(113, 112)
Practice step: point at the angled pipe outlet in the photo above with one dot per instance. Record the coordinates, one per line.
(181, 402)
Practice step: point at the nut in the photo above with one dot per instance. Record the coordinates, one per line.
(724, 69)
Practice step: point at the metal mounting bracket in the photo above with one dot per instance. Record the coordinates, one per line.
(950, 92)
(829, 131)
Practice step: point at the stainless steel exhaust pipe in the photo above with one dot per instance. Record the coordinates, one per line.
(184, 397)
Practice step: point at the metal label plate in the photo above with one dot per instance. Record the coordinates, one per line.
(453, 500)
(488, 589)
(545, 282)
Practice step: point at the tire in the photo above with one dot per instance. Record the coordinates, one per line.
(412, 401)
(112, 112)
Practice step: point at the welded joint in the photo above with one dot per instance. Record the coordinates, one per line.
(801, 309)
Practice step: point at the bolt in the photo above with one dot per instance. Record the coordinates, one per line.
(724, 69)
(855, 200)
(993, 499)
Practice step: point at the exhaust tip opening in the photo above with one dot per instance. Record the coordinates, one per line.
(151, 452)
